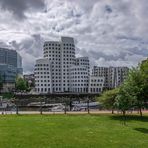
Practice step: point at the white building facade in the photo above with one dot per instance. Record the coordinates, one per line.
(79, 79)
(96, 84)
(43, 76)
(60, 71)
(114, 76)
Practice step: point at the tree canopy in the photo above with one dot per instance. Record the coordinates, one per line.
(108, 99)
(21, 84)
(132, 94)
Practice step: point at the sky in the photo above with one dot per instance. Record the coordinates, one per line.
(109, 32)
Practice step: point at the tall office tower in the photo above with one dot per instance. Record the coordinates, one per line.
(53, 52)
(11, 57)
(68, 59)
(10, 67)
(61, 55)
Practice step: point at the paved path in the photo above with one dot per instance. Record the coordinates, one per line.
(78, 112)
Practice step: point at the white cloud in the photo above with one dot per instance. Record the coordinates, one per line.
(111, 32)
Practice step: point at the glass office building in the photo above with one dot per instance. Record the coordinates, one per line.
(8, 73)
(10, 65)
(11, 57)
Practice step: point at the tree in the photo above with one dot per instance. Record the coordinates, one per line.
(136, 81)
(131, 93)
(144, 71)
(144, 68)
(124, 101)
(21, 84)
(108, 99)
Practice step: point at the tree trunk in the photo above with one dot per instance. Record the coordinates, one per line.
(124, 117)
(112, 111)
(65, 109)
(140, 110)
(88, 111)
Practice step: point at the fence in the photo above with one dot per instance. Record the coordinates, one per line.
(51, 104)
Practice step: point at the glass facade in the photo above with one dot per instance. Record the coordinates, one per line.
(10, 65)
(8, 73)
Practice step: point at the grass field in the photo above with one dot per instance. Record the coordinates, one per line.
(72, 131)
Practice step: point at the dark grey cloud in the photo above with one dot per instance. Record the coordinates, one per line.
(3, 45)
(108, 9)
(18, 7)
(110, 32)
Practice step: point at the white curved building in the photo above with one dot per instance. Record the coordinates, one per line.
(60, 71)
(83, 61)
(52, 51)
(67, 60)
(79, 77)
(61, 55)
(43, 79)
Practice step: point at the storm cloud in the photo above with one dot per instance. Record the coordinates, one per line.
(110, 32)
(19, 7)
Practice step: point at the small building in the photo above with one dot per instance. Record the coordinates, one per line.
(96, 84)
(30, 79)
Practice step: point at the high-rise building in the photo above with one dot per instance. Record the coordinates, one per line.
(60, 71)
(60, 56)
(11, 57)
(114, 76)
(10, 67)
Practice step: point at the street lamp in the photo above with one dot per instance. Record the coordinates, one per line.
(88, 106)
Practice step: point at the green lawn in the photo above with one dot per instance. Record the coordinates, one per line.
(72, 131)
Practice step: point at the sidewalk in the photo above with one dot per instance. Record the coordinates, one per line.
(68, 112)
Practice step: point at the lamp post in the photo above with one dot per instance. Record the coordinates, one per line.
(88, 106)
(41, 109)
(17, 109)
(65, 109)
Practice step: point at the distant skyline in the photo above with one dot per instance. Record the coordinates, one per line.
(109, 32)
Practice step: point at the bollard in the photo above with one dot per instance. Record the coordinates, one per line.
(88, 106)
(17, 110)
